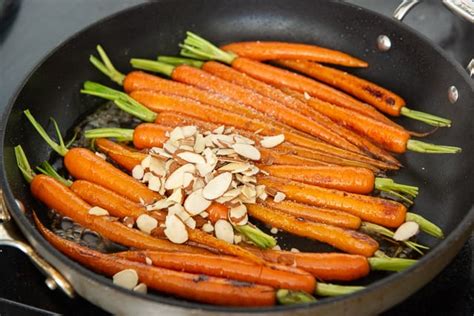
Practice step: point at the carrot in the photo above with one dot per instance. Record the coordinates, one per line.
(217, 211)
(266, 90)
(335, 156)
(379, 211)
(228, 268)
(379, 97)
(124, 156)
(282, 50)
(84, 164)
(346, 240)
(195, 287)
(60, 198)
(316, 214)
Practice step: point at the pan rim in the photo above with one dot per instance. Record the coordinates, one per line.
(466, 224)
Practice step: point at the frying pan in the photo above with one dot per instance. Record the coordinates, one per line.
(412, 67)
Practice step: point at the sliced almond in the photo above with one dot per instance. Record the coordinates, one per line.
(187, 179)
(98, 211)
(224, 199)
(190, 222)
(234, 192)
(272, 141)
(279, 197)
(195, 203)
(146, 223)
(238, 215)
(204, 214)
(141, 288)
(175, 230)
(237, 239)
(406, 230)
(148, 261)
(219, 130)
(170, 148)
(199, 144)
(101, 155)
(191, 157)
(147, 177)
(145, 163)
(160, 152)
(154, 183)
(198, 184)
(225, 152)
(253, 170)
(176, 179)
(138, 172)
(235, 167)
(176, 134)
(127, 278)
(189, 130)
(217, 186)
(177, 196)
(159, 205)
(208, 228)
(205, 169)
(224, 231)
(239, 139)
(247, 151)
(306, 95)
(157, 166)
(176, 209)
(249, 191)
(274, 230)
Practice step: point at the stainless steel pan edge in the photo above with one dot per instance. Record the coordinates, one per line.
(103, 293)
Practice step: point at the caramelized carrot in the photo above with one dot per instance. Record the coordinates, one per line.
(60, 198)
(346, 240)
(195, 287)
(217, 211)
(316, 214)
(282, 50)
(379, 211)
(224, 72)
(124, 156)
(349, 179)
(227, 267)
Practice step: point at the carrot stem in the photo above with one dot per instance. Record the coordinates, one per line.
(152, 65)
(396, 189)
(23, 164)
(425, 225)
(122, 134)
(427, 148)
(60, 148)
(328, 289)
(427, 118)
(106, 67)
(197, 47)
(258, 237)
(176, 61)
(390, 264)
(47, 169)
(287, 297)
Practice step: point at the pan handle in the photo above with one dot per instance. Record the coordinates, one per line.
(10, 237)
(404, 8)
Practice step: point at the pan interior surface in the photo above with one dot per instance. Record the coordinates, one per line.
(412, 68)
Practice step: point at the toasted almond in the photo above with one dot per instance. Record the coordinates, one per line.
(154, 183)
(191, 157)
(279, 197)
(170, 148)
(253, 170)
(146, 177)
(406, 230)
(247, 200)
(260, 189)
(224, 231)
(145, 163)
(199, 144)
(223, 199)
(176, 209)
(190, 222)
(247, 151)
(263, 196)
(187, 179)
(272, 141)
(225, 152)
(160, 152)
(98, 211)
(238, 215)
(234, 192)
(177, 196)
(101, 155)
(138, 172)
(157, 167)
(176, 179)
(235, 167)
(141, 288)
(175, 229)
(248, 179)
(198, 184)
(208, 141)
(219, 130)
(249, 191)
(237, 239)
(159, 205)
(127, 278)
(264, 172)
(146, 223)
(148, 261)
(195, 203)
(208, 228)
(189, 130)
(205, 169)
(217, 186)
(176, 134)
(204, 214)
(229, 130)
(239, 139)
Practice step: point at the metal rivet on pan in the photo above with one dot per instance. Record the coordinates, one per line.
(51, 284)
(453, 94)
(383, 43)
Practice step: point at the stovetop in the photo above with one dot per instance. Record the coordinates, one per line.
(35, 27)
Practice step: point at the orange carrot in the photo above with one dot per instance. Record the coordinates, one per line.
(124, 156)
(376, 210)
(316, 214)
(282, 50)
(346, 240)
(217, 211)
(349, 179)
(226, 267)
(195, 287)
(60, 198)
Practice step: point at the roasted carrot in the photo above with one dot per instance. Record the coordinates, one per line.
(217, 211)
(377, 96)
(316, 214)
(283, 50)
(379, 211)
(195, 287)
(60, 198)
(346, 240)
(123, 155)
(227, 267)
(234, 76)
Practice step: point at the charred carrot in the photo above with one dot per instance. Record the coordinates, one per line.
(228, 268)
(282, 50)
(316, 214)
(349, 179)
(388, 137)
(195, 287)
(377, 96)
(347, 240)
(380, 211)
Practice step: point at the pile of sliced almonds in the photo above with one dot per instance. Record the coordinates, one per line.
(192, 170)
